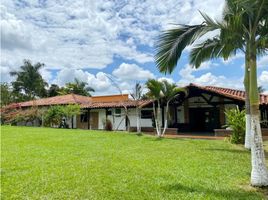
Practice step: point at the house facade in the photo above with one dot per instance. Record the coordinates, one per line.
(200, 109)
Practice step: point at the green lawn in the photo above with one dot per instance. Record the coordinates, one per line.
(44, 163)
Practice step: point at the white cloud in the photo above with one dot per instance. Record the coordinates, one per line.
(263, 62)
(188, 76)
(169, 80)
(99, 82)
(187, 70)
(132, 72)
(91, 34)
(14, 33)
(263, 80)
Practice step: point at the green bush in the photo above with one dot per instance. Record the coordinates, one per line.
(55, 114)
(237, 122)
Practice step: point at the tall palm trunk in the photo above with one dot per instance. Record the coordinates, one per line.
(156, 120)
(159, 118)
(247, 104)
(259, 173)
(166, 120)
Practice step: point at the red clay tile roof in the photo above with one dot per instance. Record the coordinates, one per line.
(117, 104)
(58, 100)
(86, 102)
(231, 93)
(114, 101)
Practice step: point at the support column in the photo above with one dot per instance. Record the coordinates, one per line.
(176, 114)
(186, 111)
(222, 115)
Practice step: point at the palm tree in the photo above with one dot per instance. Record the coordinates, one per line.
(137, 95)
(245, 24)
(227, 44)
(155, 92)
(53, 90)
(29, 80)
(77, 87)
(170, 91)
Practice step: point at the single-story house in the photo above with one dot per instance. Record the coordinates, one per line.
(200, 110)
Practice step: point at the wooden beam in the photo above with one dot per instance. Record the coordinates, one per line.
(176, 114)
(186, 111)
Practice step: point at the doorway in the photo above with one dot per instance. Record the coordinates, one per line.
(94, 120)
(204, 119)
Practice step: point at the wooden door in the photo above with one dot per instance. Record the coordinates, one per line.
(94, 120)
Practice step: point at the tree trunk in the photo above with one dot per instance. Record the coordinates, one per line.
(159, 119)
(259, 173)
(166, 120)
(247, 104)
(155, 120)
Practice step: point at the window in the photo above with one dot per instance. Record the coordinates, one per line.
(83, 117)
(146, 114)
(118, 112)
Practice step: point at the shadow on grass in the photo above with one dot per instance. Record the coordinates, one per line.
(228, 150)
(225, 194)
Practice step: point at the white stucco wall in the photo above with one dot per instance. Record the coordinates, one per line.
(180, 114)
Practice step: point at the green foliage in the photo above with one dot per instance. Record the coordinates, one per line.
(53, 90)
(54, 115)
(137, 92)
(45, 163)
(155, 89)
(6, 94)
(14, 114)
(71, 109)
(29, 80)
(237, 122)
(77, 87)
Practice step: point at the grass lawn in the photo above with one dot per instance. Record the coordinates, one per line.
(44, 163)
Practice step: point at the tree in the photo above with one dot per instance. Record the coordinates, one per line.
(137, 95)
(155, 92)
(170, 91)
(245, 23)
(6, 94)
(77, 87)
(53, 90)
(29, 80)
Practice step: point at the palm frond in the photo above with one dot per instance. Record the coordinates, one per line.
(205, 51)
(172, 42)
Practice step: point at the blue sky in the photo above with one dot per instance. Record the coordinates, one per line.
(90, 40)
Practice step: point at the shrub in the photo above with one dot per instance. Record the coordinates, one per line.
(14, 114)
(237, 122)
(55, 115)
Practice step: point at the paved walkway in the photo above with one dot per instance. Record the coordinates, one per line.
(205, 137)
(202, 136)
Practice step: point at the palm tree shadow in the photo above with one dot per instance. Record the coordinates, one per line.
(227, 194)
